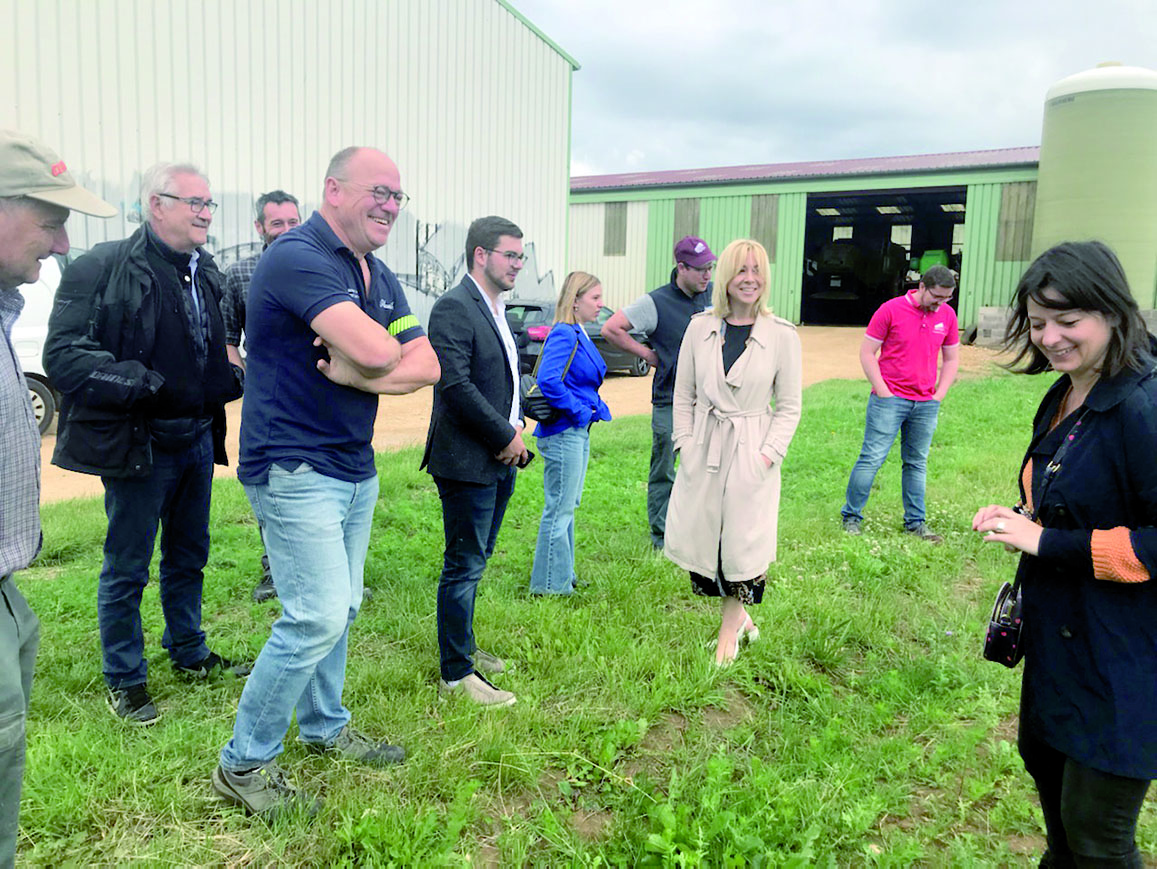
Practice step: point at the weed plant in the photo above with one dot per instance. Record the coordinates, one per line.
(864, 729)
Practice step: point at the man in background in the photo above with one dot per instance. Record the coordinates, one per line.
(663, 315)
(277, 213)
(137, 345)
(905, 337)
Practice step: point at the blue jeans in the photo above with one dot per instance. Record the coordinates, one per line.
(317, 532)
(471, 516)
(175, 496)
(661, 477)
(916, 422)
(19, 638)
(566, 454)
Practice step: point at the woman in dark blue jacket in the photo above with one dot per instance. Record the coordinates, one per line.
(570, 373)
(1088, 715)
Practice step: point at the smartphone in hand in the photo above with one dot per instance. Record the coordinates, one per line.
(524, 462)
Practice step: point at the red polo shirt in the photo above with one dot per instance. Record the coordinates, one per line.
(911, 339)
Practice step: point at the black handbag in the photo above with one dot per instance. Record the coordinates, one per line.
(535, 405)
(1002, 642)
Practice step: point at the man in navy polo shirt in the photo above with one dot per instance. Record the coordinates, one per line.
(663, 316)
(330, 330)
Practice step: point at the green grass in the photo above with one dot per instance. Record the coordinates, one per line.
(864, 729)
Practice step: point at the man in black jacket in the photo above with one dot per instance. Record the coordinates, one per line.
(474, 443)
(137, 345)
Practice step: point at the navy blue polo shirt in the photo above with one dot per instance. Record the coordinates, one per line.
(292, 413)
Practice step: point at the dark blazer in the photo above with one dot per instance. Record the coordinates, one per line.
(469, 423)
(1090, 676)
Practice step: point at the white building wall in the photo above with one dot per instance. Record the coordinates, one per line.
(624, 278)
(471, 103)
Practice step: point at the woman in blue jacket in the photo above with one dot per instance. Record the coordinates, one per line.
(565, 443)
(1088, 712)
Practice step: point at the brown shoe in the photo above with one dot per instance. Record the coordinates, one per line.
(921, 530)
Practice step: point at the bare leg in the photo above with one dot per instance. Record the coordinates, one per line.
(731, 624)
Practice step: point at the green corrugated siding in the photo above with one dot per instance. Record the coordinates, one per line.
(984, 281)
(660, 229)
(722, 219)
(787, 273)
(725, 214)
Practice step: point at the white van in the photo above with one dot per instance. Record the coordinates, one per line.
(28, 339)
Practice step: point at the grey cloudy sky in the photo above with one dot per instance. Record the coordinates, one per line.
(678, 84)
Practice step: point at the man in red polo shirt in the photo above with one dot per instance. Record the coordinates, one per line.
(904, 338)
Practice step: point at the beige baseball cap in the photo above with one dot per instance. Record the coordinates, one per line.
(30, 168)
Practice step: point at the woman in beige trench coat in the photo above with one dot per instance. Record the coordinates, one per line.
(736, 407)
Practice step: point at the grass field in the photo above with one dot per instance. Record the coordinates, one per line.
(864, 729)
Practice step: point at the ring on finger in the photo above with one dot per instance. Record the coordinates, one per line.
(999, 527)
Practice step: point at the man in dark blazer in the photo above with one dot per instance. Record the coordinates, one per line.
(474, 444)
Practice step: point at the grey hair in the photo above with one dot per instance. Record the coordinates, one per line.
(158, 179)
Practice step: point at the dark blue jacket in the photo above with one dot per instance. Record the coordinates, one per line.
(576, 395)
(1090, 677)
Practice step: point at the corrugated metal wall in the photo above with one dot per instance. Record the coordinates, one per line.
(471, 102)
(787, 273)
(998, 225)
(623, 277)
(984, 279)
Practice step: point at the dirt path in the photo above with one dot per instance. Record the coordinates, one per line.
(829, 352)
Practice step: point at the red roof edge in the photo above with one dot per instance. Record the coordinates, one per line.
(1000, 157)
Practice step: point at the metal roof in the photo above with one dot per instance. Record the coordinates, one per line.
(999, 158)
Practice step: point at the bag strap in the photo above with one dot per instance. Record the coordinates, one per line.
(566, 367)
(1050, 474)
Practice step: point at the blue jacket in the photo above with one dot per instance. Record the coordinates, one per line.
(1090, 639)
(576, 395)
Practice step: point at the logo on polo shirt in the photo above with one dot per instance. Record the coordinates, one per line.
(385, 306)
(353, 293)
(938, 327)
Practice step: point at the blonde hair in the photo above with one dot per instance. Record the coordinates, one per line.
(576, 285)
(733, 258)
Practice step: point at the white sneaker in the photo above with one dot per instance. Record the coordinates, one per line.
(479, 690)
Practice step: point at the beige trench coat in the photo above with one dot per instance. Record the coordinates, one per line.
(725, 504)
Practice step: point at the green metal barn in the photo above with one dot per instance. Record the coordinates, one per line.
(841, 235)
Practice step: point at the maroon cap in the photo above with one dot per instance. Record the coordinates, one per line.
(694, 252)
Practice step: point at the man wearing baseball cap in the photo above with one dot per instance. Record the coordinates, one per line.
(36, 194)
(662, 315)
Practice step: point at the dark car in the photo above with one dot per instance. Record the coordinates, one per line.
(530, 321)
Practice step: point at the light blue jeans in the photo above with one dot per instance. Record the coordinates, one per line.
(915, 421)
(566, 455)
(317, 531)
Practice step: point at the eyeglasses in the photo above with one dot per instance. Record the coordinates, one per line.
(382, 195)
(195, 203)
(511, 256)
(705, 270)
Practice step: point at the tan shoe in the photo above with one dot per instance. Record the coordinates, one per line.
(487, 662)
(476, 688)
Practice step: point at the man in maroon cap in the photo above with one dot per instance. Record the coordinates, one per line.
(37, 193)
(662, 316)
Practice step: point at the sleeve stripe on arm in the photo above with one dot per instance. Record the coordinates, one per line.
(1114, 559)
(401, 324)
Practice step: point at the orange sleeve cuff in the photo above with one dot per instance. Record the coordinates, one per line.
(1114, 559)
